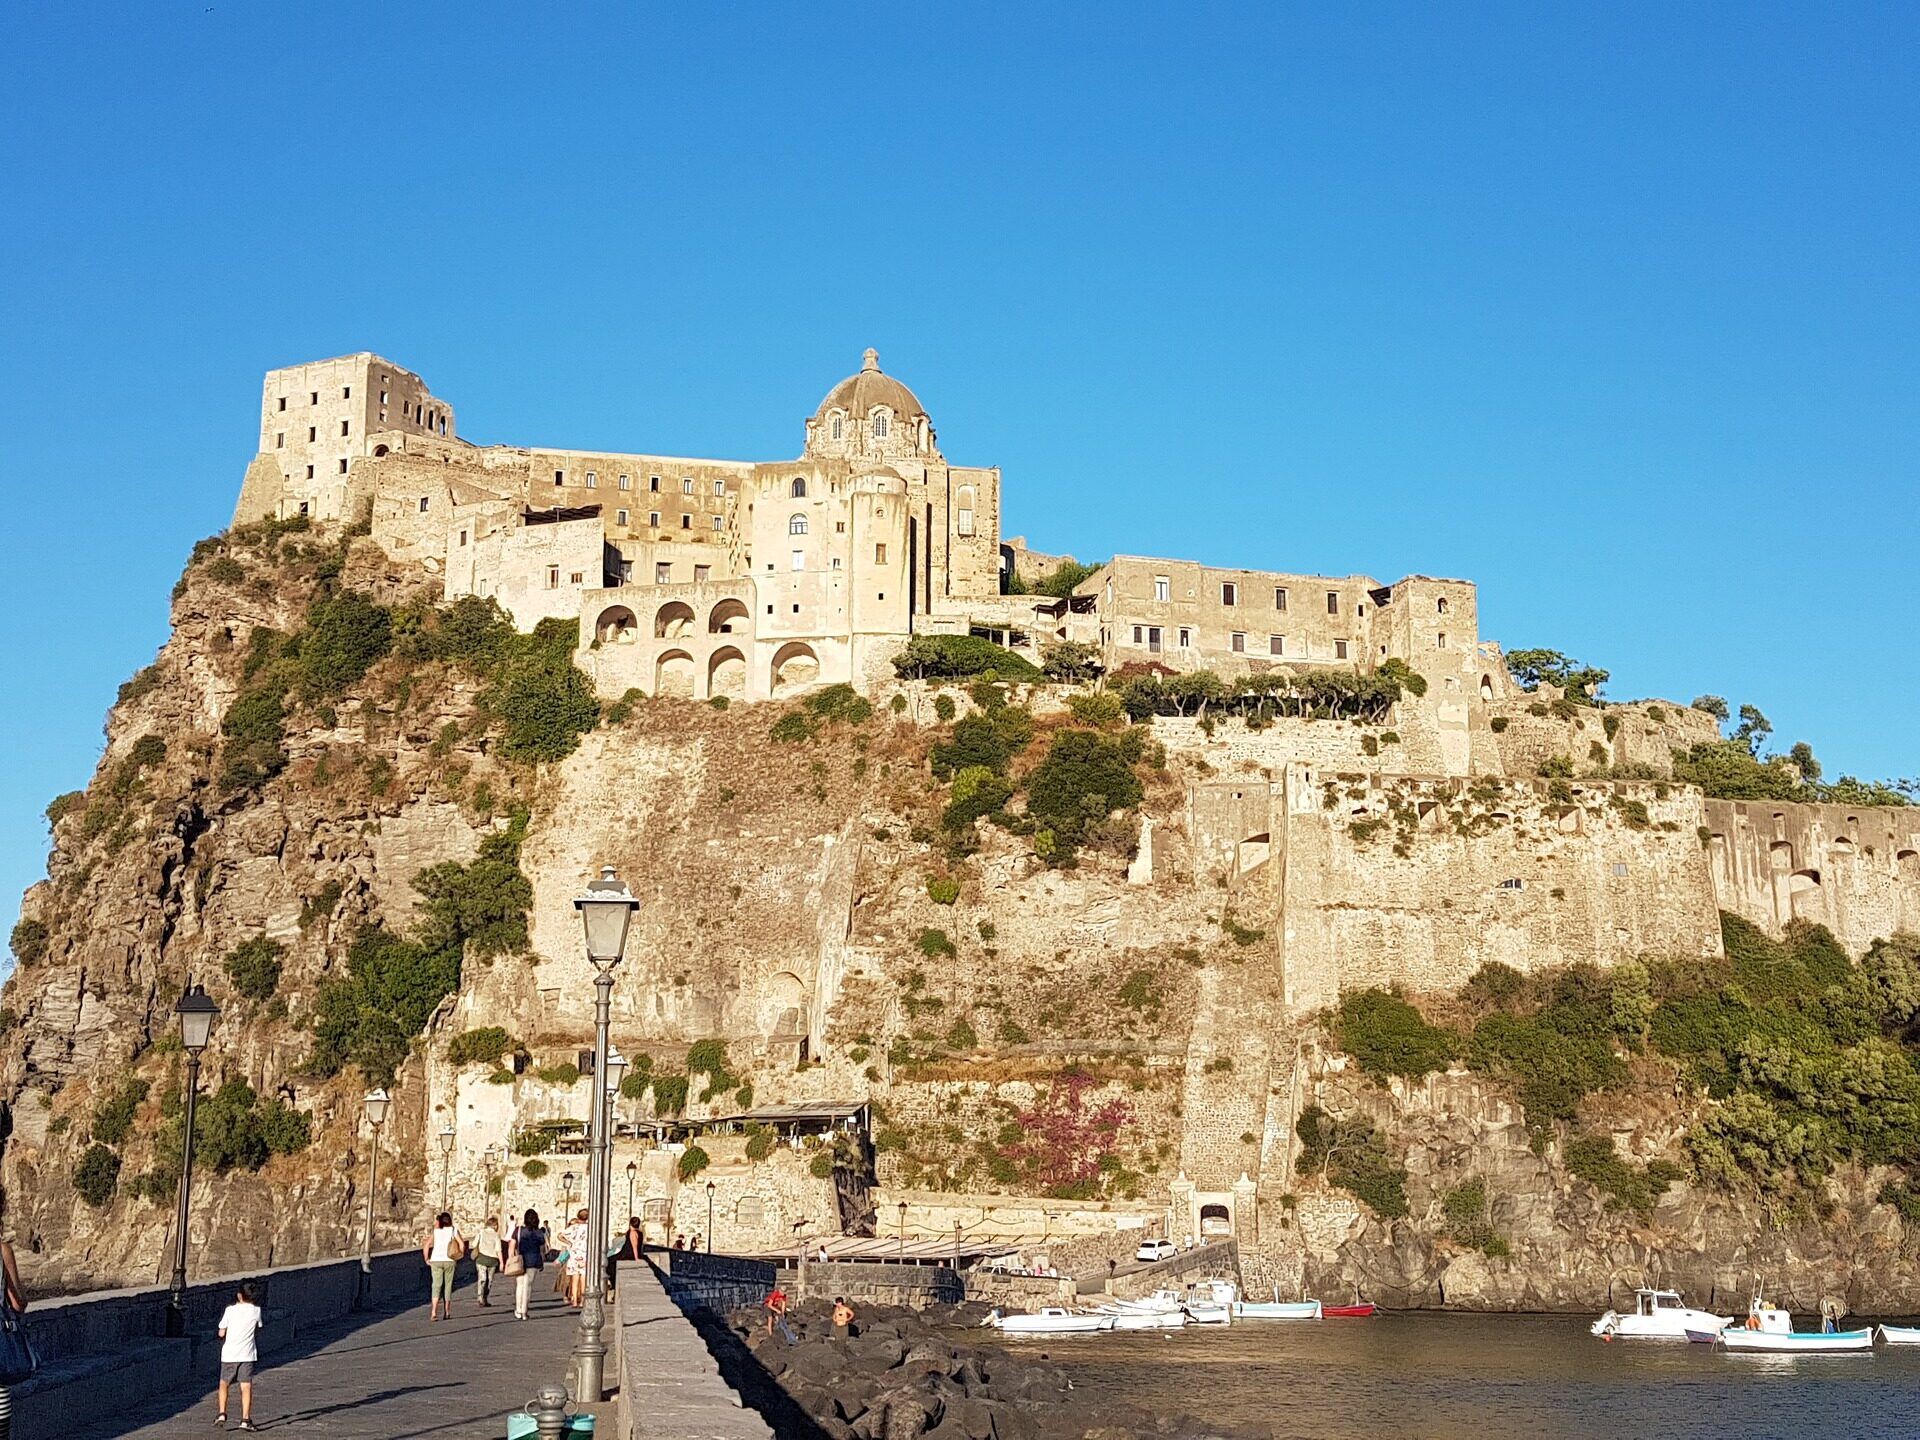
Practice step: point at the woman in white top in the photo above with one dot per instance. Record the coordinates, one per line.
(486, 1258)
(442, 1250)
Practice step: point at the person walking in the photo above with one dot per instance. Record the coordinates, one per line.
(442, 1250)
(239, 1353)
(17, 1302)
(776, 1307)
(528, 1258)
(486, 1259)
(578, 1256)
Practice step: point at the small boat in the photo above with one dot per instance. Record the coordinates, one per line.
(1658, 1315)
(1049, 1320)
(1148, 1319)
(1213, 1303)
(1359, 1310)
(1769, 1329)
(1900, 1334)
(1278, 1310)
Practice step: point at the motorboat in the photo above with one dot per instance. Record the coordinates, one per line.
(1158, 1301)
(1049, 1320)
(1359, 1310)
(1277, 1310)
(1211, 1303)
(1658, 1315)
(1900, 1334)
(1148, 1319)
(1769, 1329)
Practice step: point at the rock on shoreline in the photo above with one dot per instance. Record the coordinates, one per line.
(904, 1374)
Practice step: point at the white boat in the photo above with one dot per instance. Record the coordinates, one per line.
(1049, 1320)
(1276, 1310)
(1769, 1329)
(1211, 1303)
(1900, 1334)
(1658, 1315)
(1148, 1319)
(1159, 1302)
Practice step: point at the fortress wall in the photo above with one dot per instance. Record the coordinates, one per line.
(1483, 870)
(1854, 869)
(1425, 746)
(1648, 733)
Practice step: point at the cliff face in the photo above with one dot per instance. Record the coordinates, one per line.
(1120, 1029)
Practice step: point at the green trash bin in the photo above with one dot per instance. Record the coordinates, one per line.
(520, 1426)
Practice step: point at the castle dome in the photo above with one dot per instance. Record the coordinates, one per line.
(869, 386)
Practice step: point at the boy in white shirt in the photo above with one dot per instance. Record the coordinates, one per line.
(239, 1352)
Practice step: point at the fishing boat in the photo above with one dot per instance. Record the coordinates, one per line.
(1277, 1309)
(1359, 1310)
(1769, 1329)
(1900, 1334)
(1148, 1319)
(1049, 1320)
(1211, 1304)
(1658, 1315)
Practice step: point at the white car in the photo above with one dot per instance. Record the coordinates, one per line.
(1155, 1250)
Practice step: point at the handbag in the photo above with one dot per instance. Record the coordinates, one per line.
(513, 1262)
(456, 1249)
(17, 1360)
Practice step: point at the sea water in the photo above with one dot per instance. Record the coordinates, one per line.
(1484, 1377)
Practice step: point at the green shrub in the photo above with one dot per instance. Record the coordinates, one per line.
(760, 1142)
(943, 889)
(345, 636)
(669, 1093)
(113, 1115)
(838, 703)
(97, 1175)
(1628, 1186)
(1353, 1155)
(821, 1166)
(30, 941)
(1553, 1059)
(692, 1161)
(960, 1036)
(534, 1169)
(934, 944)
(320, 905)
(621, 710)
(792, 728)
(545, 703)
(1468, 1216)
(935, 657)
(254, 967)
(988, 742)
(944, 708)
(1387, 1036)
(1103, 711)
(977, 792)
(565, 1073)
(1071, 661)
(1498, 724)
(487, 1045)
(62, 806)
(144, 682)
(1084, 777)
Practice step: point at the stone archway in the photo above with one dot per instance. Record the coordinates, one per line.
(617, 625)
(729, 617)
(673, 620)
(794, 666)
(727, 673)
(673, 674)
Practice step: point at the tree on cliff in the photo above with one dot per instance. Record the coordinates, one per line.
(1533, 668)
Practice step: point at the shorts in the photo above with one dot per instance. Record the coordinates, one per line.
(232, 1370)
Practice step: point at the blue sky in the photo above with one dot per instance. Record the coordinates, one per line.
(1612, 309)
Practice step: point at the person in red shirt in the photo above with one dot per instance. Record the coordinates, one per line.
(776, 1306)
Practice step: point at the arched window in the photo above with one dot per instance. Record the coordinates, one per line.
(879, 424)
(798, 524)
(963, 519)
(834, 426)
(799, 488)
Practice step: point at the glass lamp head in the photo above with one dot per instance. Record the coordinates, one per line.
(197, 1013)
(606, 909)
(377, 1102)
(446, 1141)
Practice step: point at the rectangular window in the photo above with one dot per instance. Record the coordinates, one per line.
(346, 392)
(1153, 638)
(313, 434)
(343, 467)
(1276, 644)
(559, 477)
(1186, 638)
(1440, 641)
(839, 527)
(309, 472)
(1136, 634)
(344, 425)
(303, 507)
(720, 489)
(593, 481)
(283, 402)
(1620, 869)
(553, 577)
(626, 482)
(836, 562)
(1333, 602)
(965, 525)
(1280, 597)
(686, 522)
(686, 486)
(313, 397)
(653, 519)
(1229, 593)
(880, 554)
(1239, 642)
(719, 522)
(280, 441)
(653, 483)
(620, 517)
(1339, 649)
(423, 504)
(662, 572)
(463, 537)
(799, 559)
(576, 577)
(701, 574)
(383, 397)
(1162, 588)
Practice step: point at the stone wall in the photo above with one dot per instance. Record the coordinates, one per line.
(1854, 869)
(1533, 728)
(1419, 881)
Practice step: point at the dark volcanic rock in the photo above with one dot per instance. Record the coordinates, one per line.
(899, 1377)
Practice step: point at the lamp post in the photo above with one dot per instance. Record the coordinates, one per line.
(902, 1232)
(446, 1163)
(566, 1199)
(490, 1160)
(633, 1169)
(376, 1104)
(197, 1014)
(606, 910)
(709, 1217)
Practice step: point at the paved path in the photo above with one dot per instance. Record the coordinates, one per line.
(391, 1376)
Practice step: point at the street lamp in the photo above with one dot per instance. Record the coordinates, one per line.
(709, 1217)
(903, 1230)
(606, 911)
(490, 1158)
(376, 1104)
(633, 1169)
(566, 1198)
(446, 1163)
(197, 1014)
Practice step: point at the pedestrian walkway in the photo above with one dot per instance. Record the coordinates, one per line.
(391, 1375)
